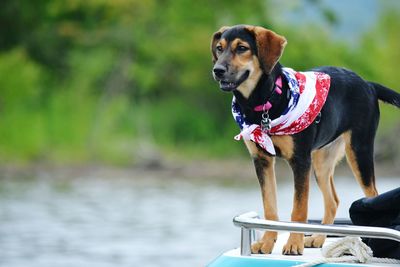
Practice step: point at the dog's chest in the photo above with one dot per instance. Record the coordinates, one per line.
(284, 145)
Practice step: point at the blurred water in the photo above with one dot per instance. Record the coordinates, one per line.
(130, 221)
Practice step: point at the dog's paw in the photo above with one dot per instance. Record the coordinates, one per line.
(314, 241)
(294, 245)
(265, 244)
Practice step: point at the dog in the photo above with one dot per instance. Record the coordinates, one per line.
(246, 63)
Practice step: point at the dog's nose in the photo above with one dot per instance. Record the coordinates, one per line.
(219, 71)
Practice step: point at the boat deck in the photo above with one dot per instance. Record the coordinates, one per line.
(251, 225)
(232, 258)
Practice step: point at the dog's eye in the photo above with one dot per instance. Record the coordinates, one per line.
(242, 48)
(219, 48)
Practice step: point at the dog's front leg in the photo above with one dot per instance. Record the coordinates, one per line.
(301, 167)
(264, 166)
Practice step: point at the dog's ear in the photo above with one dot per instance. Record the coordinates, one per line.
(216, 37)
(269, 47)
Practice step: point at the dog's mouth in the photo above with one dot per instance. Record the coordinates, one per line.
(230, 86)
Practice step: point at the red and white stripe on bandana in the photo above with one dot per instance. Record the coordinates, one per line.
(308, 93)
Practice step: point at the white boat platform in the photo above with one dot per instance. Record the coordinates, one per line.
(249, 222)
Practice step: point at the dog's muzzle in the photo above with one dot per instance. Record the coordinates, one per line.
(225, 83)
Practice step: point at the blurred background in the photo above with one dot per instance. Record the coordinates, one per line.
(116, 145)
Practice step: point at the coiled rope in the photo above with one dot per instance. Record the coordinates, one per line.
(348, 249)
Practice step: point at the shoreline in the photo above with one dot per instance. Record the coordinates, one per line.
(235, 170)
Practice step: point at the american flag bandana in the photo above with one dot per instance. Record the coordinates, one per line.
(308, 93)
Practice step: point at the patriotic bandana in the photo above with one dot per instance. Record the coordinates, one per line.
(308, 93)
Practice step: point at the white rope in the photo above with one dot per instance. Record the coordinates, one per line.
(348, 249)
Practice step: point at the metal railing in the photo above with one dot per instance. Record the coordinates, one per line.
(250, 221)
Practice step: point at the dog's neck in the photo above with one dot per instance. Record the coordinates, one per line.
(260, 94)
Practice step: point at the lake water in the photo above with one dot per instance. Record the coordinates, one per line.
(92, 220)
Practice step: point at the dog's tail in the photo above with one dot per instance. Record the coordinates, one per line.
(386, 95)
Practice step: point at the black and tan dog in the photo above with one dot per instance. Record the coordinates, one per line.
(246, 63)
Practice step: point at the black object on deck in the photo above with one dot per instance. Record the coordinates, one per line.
(383, 211)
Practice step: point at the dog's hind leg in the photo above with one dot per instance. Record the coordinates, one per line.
(324, 161)
(264, 166)
(359, 153)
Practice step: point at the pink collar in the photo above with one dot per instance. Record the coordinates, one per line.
(267, 105)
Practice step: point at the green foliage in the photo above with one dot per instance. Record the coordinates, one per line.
(95, 80)
(380, 52)
(21, 133)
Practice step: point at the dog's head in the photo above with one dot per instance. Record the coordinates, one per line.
(242, 53)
